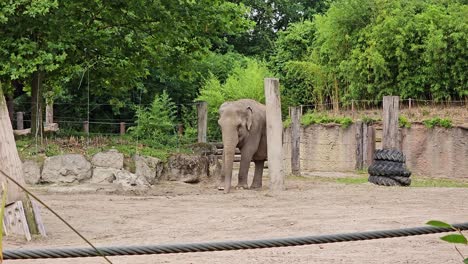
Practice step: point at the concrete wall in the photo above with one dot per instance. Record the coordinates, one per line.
(437, 152)
(323, 148)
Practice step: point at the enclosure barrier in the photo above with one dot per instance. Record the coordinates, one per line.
(224, 246)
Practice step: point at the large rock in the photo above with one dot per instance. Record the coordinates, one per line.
(32, 172)
(66, 169)
(109, 159)
(149, 168)
(104, 175)
(191, 168)
(128, 179)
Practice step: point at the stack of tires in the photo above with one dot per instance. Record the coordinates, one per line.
(389, 168)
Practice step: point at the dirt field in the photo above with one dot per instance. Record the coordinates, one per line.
(177, 213)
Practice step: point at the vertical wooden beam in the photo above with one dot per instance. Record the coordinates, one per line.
(122, 128)
(390, 122)
(369, 145)
(202, 110)
(19, 120)
(274, 134)
(49, 119)
(359, 145)
(295, 140)
(86, 127)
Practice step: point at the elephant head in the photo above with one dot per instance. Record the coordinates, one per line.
(235, 120)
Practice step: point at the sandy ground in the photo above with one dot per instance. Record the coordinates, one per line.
(175, 212)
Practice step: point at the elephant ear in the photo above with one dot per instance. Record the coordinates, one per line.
(249, 118)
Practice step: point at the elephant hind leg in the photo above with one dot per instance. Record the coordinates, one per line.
(257, 180)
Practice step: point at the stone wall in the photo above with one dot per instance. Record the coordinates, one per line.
(437, 152)
(324, 148)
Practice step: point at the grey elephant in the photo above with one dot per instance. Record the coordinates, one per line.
(243, 125)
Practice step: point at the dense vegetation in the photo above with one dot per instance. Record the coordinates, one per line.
(130, 60)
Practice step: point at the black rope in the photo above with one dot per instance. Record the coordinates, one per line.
(223, 246)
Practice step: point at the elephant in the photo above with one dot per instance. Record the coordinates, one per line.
(243, 125)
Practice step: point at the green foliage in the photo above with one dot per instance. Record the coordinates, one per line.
(242, 82)
(403, 122)
(157, 122)
(321, 118)
(437, 121)
(287, 122)
(459, 238)
(369, 120)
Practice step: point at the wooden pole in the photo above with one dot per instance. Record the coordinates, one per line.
(12, 166)
(49, 114)
(369, 146)
(122, 128)
(295, 140)
(86, 127)
(19, 120)
(274, 134)
(359, 145)
(390, 122)
(202, 111)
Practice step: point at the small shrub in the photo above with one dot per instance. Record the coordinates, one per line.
(404, 122)
(287, 122)
(157, 123)
(368, 120)
(437, 121)
(459, 238)
(317, 118)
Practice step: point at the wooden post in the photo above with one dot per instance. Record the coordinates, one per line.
(368, 148)
(390, 122)
(86, 127)
(122, 128)
(295, 140)
(11, 165)
(19, 120)
(49, 114)
(352, 108)
(409, 104)
(359, 145)
(202, 112)
(274, 134)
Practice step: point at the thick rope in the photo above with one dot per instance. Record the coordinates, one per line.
(222, 246)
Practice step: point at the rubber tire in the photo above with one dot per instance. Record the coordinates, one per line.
(390, 181)
(388, 168)
(389, 155)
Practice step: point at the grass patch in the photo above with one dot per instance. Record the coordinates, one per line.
(415, 182)
(322, 118)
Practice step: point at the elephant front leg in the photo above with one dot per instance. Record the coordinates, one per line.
(257, 180)
(222, 178)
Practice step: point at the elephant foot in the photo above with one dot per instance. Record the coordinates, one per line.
(242, 187)
(255, 186)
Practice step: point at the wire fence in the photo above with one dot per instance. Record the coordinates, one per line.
(413, 109)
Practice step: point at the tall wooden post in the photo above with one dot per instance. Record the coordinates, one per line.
(359, 145)
(86, 127)
(390, 122)
(12, 166)
(122, 128)
(49, 119)
(295, 140)
(274, 134)
(19, 120)
(202, 110)
(369, 145)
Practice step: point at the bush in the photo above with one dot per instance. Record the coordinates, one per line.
(157, 122)
(437, 121)
(243, 82)
(317, 118)
(404, 122)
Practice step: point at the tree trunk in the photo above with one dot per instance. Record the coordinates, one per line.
(36, 103)
(12, 166)
(11, 112)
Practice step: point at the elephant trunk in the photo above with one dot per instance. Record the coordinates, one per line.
(229, 149)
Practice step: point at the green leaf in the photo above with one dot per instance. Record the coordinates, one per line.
(439, 224)
(465, 261)
(459, 239)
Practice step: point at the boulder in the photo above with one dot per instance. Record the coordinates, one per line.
(192, 168)
(128, 179)
(109, 159)
(104, 175)
(149, 168)
(32, 172)
(66, 169)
